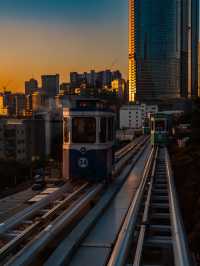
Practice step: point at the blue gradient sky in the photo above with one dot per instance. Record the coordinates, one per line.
(59, 36)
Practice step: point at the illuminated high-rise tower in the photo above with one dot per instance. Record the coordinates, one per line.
(132, 62)
(194, 46)
(189, 47)
(163, 49)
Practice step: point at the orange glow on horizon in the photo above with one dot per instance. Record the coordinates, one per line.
(30, 50)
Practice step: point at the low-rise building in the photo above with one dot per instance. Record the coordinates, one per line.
(13, 146)
(130, 116)
(40, 136)
(148, 109)
(133, 116)
(25, 140)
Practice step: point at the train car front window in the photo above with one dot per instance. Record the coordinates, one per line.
(66, 130)
(84, 130)
(103, 129)
(160, 125)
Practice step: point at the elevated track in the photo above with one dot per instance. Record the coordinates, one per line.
(134, 221)
(29, 232)
(153, 233)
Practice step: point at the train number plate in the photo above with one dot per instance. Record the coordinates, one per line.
(83, 162)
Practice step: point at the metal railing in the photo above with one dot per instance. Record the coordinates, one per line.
(123, 243)
(180, 244)
(178, 240)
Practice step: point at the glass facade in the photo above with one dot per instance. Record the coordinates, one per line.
(189, 47)
(158, 50)
(185, 33)
(194, 46)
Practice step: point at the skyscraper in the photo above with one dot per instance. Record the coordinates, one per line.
(50, 85)
(199, 71)
(157, 49)
(163, 49)
(132, 63)
(31, 86)
(189, 47)
(185, 33)
(194, 46)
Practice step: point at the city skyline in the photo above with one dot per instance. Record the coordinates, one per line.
(54, 37)
(49, 37)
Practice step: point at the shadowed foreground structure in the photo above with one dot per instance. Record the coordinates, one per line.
(186, 165)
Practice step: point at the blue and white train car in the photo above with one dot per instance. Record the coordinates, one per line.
(89, 134)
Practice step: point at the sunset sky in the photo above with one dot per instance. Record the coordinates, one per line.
(59, 36)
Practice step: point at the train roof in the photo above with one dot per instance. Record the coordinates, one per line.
(83, 104)
(160, 115)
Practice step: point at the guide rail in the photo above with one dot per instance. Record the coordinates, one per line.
(153, 232)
